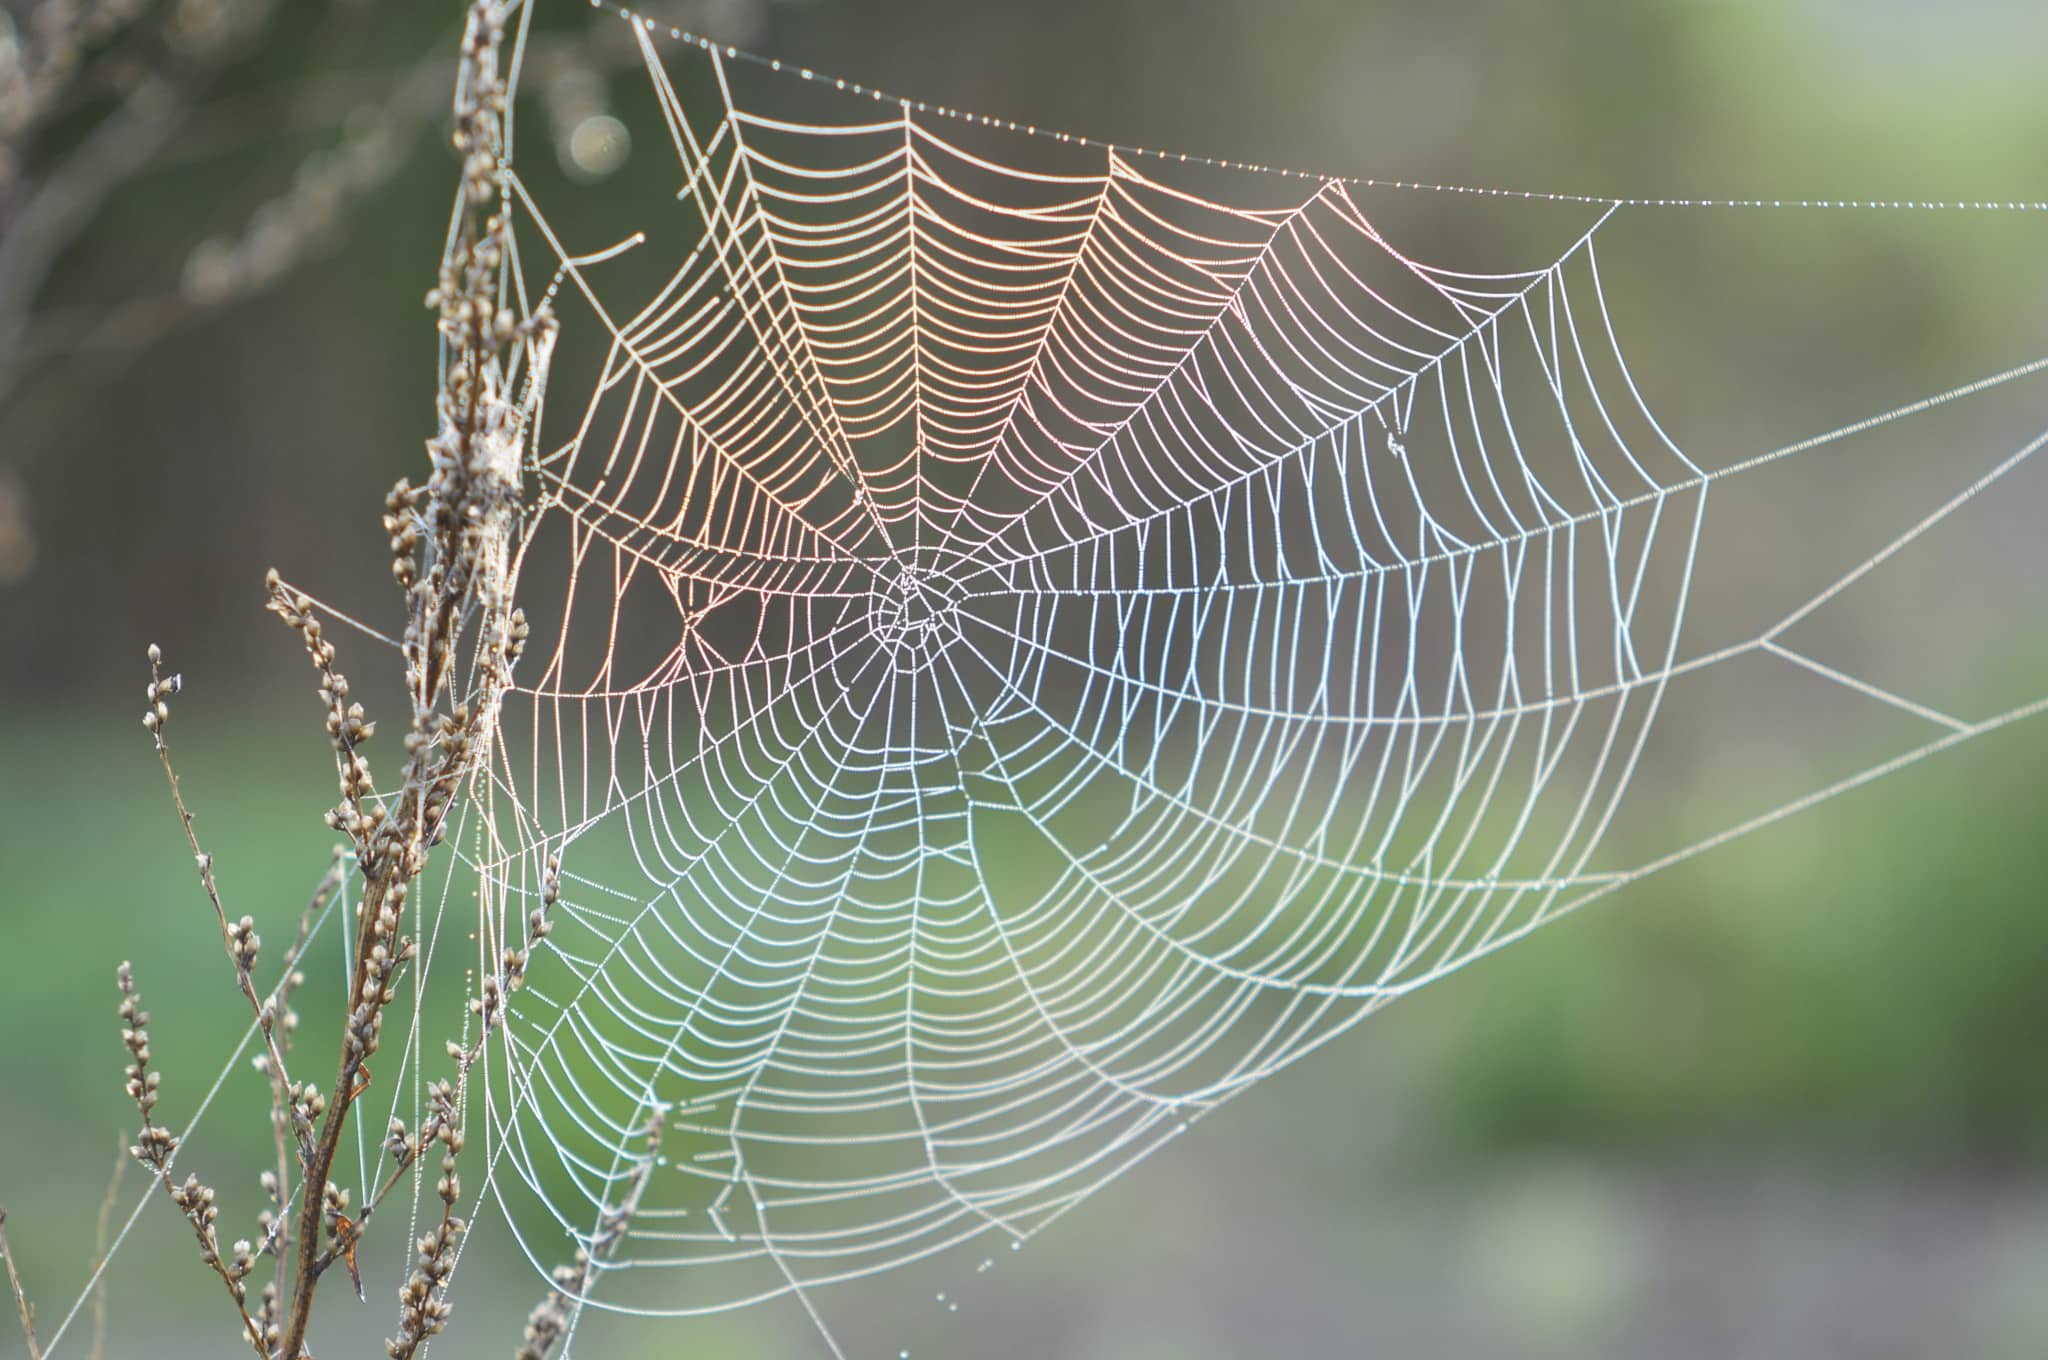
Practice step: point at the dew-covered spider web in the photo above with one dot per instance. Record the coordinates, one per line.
(1032, 638)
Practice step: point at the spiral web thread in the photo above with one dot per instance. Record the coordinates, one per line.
(1026, 650)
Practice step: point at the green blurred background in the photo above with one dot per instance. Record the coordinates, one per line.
(1784, 1100)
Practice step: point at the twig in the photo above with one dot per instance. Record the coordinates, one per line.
(239, 938)
(276, 1234)
(28, 1313)
(406, 1151)
(315, 1200)
(552, 1318)
(155, 1146)
(99, 1251)
(423, 1302)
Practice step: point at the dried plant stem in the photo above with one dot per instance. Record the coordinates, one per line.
(288, 1111)
(452, 556)
(239, 938)
(276, 1231)
(155, 1146)
(554, 1315)
(195, 1202)
(99, 1250)
(320, 1164)
(28, 1313)
(449, 543)
(442, 1126)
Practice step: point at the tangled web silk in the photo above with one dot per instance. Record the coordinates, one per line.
(1028, 643)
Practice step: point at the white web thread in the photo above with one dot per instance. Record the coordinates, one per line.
(1301, 832)
(975, 494)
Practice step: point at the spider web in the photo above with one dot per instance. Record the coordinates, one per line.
(1032, 638)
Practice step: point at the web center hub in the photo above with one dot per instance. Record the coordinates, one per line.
(914, 613)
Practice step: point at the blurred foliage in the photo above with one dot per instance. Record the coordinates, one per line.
(1856, 986)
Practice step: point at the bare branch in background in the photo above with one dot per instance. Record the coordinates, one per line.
(38, 218)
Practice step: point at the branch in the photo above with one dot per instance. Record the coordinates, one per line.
(99, 1253)
(552, 1318)
(28, 1313)
(239, 938)
(283, 1108)
(151, 110)
(442, 1126)
(156, 1146)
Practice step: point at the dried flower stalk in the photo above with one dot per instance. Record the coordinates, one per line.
(453, 543)
(554, 1315)
(238, 937)
(450, 543)
(155, 1146)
